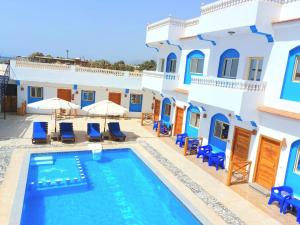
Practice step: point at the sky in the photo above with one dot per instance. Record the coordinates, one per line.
(93, 29)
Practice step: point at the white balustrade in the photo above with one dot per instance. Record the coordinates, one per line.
(245, 85)
(219, 5)
(25, 63)
(153, 74)
(45, 66)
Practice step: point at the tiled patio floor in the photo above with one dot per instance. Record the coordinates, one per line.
(243, 190)
(16, 133)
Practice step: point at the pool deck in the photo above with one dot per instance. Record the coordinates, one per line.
(200, 187)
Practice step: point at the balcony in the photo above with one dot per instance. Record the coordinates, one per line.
(240, 96)
(159, 81)
(70, 74)
(169, 29)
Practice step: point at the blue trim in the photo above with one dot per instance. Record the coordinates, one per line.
(18, 82)
(190, 130)
(136, 107)
(126, 91)
(239, 118)
(254, 30)
(164, 117)
(31, 99)
(196, 54)
(178, 46)
(75, 87)
(200, 37)
(229, 53)
(291, 89)
(148, 46)
(85, 102)
(292, 179)
(170, 57)
(217, 143)
(253, 123)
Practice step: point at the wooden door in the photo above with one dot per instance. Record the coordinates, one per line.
(156, 109)
(65, 94)
(267, 162)
(241, 144)
(115, 97)
(178, 121)
(10, 104)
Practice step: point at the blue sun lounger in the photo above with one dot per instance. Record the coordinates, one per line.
(66, 132)
(40, 132)
(93, 132)
(115, 132)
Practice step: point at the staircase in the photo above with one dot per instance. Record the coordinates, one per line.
(3, 85)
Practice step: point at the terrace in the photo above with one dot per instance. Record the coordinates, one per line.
(198, 183)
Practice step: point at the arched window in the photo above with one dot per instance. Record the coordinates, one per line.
(194, 65)
(192, 121)
(291, 85)
(171, 63)
(292, 177)
(166, 110)
(228, 65)
(219, 130)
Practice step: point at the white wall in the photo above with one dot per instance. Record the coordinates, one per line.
(50, 91)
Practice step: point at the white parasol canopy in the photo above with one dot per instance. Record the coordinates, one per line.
(105, 108)
(53, 104)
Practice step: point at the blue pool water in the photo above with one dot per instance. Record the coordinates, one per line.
(117, 189)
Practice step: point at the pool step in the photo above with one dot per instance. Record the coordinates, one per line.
(42, 160)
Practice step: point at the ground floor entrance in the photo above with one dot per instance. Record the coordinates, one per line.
(10, 99)
(156, 109)
(115, 97)
(65, 94)
(267, 162)
(241, 144)
(178, 120)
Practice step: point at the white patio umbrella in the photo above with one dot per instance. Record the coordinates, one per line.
(105, 108)
(53, 104)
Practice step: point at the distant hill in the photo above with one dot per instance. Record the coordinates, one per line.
(4, 59)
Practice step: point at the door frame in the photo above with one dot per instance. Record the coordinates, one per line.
(156, 100)
(176, 113)
(116, 93)
(234, 140)
(64, 89)
(281, 143)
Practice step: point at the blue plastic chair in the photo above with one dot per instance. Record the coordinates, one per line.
(40, 132)
(93, 132)
(290, 202)
(204, 151)
(66, 132)
(280, 194)
(155, 125)
(180, 139)
(115, 131)
(217, 159)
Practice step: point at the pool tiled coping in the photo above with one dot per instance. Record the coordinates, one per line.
(206, 207)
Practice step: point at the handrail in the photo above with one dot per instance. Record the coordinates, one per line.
(246, 85)
(238, 172)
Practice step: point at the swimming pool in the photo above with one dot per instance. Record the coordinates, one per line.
(73, 188)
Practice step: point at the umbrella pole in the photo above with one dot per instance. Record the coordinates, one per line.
(55, 120)
(105, 123)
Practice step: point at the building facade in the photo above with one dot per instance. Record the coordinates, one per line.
(230, 76)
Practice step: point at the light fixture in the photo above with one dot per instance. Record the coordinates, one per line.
(231, 33)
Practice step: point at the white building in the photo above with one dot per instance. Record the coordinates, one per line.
(230, 76)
